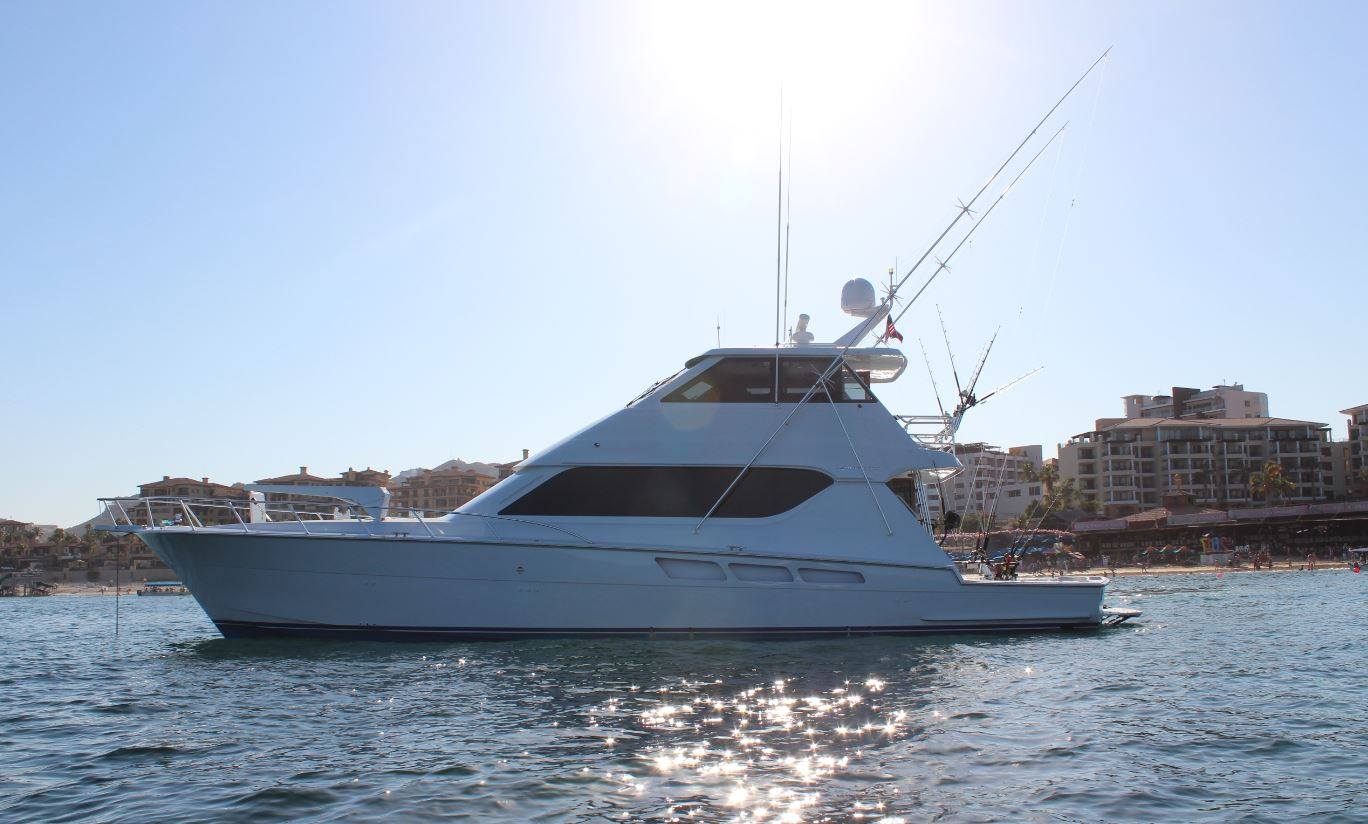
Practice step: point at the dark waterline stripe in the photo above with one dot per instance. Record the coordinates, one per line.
(261, 629)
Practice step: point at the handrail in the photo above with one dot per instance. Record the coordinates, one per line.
(186, 515)
(525, 521)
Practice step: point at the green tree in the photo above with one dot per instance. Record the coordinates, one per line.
(1270, 483)
(1047, 474)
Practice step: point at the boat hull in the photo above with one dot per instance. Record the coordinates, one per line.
(255, 585)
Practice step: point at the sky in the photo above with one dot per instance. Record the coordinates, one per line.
(243, 237)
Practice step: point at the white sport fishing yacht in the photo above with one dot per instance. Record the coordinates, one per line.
(757, 492)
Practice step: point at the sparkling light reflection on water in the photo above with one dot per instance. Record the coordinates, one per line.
(1239, 697)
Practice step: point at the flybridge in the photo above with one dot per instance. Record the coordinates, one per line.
(878, 364)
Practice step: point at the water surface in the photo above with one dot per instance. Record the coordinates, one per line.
(1238, 698)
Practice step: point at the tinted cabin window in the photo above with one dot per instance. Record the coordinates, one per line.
(751, 380)
(731, 380)
(906, 490)
(798, 375)
(669, 492)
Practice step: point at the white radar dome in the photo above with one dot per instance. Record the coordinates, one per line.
(857, 298)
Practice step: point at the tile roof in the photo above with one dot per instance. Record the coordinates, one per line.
(1219, 423)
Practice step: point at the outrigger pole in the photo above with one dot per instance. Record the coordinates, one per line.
(966, 208)
(885, 309)
(943, 264)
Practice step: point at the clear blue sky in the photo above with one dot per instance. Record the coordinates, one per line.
(241, 237)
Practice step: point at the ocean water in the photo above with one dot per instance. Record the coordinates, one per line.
(1237, 698)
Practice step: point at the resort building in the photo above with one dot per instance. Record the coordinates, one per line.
(190, 488)
(506, 469)
(992, 482)
(169, 487)
(300, 504)
(439, 490)
(1356, 457)
(1220, 401)
(352, 477)
(1335, 461)
(1130, 465)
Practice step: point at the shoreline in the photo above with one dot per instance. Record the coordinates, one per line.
(1133, 571)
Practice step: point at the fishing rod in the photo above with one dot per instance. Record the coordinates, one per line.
(940, 485)
(932, 376)
(948, 351)
(1008, 385)
(983, 360)
(1039, 523)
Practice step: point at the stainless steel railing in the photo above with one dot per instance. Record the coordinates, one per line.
(160, 512)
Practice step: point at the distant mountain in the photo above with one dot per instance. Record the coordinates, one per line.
(479, 467)
(103, 519)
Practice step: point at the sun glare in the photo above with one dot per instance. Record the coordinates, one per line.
(722, 65)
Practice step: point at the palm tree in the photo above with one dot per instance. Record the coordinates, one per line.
(1270, 482)
(1047, 474)
(1067, 494)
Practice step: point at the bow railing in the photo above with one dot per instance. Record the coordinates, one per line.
(319, 515)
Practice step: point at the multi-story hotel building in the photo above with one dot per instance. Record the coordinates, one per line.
(1129, 465)
(190, 488)
(438, 490)
(352, 477)
(1356, 447)
(1220, 401)
(1335, 457)
(203, 488)
(992, 482)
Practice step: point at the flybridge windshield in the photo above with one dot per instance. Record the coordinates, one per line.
(751, 380)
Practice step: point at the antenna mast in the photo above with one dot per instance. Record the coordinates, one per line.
(788, 217)
(778, 243)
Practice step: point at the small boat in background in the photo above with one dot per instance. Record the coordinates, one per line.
(163, 588)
